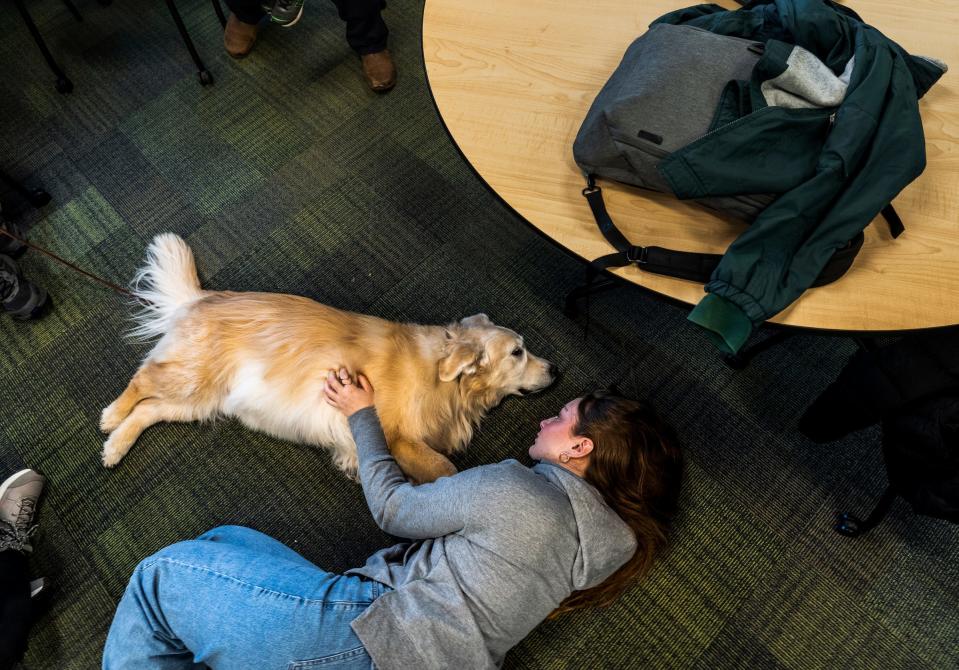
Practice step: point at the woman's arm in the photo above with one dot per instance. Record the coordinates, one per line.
(398, 507)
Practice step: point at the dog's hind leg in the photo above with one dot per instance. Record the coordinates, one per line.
(146, 413)
(142, 386)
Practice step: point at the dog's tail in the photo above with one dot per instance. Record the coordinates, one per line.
(166, 283)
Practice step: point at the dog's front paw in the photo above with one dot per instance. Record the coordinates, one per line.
(429, 472)
(446, 470)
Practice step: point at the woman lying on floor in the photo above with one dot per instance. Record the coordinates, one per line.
(495, 550)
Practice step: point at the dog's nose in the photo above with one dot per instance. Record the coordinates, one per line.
(552, 370)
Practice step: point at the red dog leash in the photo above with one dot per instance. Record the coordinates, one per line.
(118, 289)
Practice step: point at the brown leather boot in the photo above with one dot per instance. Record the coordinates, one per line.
(239, 37)
(379, 70)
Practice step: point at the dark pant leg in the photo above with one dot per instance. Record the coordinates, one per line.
(248, 11)
(15, 609)
(366, 31)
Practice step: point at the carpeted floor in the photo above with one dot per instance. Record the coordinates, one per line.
(289, 175)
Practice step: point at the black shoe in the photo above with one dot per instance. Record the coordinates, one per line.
(20, 298)
(286, 12)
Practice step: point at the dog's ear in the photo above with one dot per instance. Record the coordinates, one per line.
(476, 320)
(462, 358)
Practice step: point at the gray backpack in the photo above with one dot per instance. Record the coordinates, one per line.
(662, 97)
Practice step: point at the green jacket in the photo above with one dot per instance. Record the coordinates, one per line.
(833, 167)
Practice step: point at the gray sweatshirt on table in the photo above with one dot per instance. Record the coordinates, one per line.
(496, 549)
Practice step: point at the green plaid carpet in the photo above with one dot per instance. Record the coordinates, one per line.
(289, 175)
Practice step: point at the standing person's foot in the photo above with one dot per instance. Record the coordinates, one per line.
(379, 70)
(286, 12)
(19, 494)
(20, 298)
(239, 37)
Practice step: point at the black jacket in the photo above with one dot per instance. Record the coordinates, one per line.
(912, 388)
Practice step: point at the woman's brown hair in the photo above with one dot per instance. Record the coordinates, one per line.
(636, 465)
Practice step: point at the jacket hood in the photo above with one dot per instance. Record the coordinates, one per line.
(605, 541)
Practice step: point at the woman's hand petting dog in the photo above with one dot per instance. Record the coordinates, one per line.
(346, 395)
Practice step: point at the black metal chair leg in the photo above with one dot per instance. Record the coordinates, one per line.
(205, 77)
(219, 12)
(73, 10)
(850, 526)
(600, 285)
(743, 358)
(35, 196)
(64, 85)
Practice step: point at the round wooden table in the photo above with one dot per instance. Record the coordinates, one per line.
(513, 81)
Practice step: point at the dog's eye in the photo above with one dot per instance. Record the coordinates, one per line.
(518, 351)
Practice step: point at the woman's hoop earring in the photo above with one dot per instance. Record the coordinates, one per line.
(564, 457)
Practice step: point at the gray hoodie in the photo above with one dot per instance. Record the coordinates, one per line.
(496, 549)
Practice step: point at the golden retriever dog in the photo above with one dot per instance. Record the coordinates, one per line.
(263, 358)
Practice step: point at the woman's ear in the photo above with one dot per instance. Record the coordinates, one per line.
(583, 447)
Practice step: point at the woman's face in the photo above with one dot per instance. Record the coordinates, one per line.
(556, 434)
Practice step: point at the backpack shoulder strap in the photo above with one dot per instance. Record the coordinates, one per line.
(691, 265)
(682, 264)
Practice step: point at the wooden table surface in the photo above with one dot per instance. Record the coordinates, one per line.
(513, 81)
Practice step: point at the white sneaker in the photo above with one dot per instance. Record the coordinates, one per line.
(19, 494)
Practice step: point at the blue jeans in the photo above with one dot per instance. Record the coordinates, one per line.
(235, 598)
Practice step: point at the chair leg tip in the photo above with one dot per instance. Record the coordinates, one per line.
(846, 524)
(39, 198)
